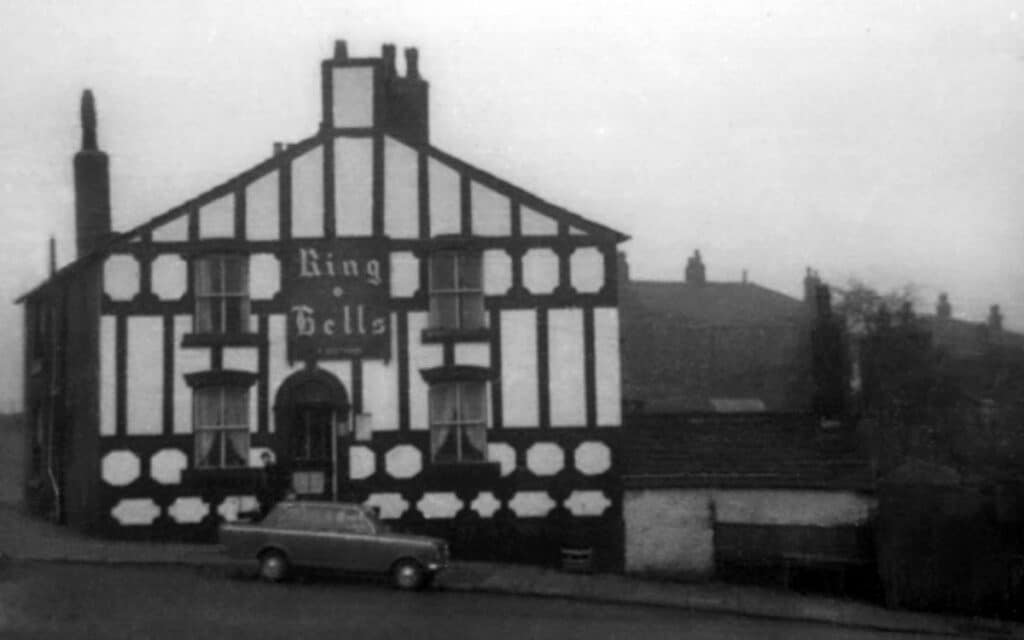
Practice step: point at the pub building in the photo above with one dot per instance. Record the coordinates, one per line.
(394, 325)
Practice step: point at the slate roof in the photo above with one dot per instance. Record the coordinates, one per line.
(756, 452)
(695, 347)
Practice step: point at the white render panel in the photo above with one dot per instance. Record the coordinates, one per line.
(545, 458)
(169, 276)
(380, 387)
(246, 359)
(607, 372)
(231, 506)
(421, 356)
(439, 505)
(586, 270)
(353, 97)
(473, 353)
(540, 271)
(405, 274)
(174, 231)
(592, 458)
(361, 462)
(186, 360)
(504, 454)
(145, 375)
(120, 468)
(566, 375)
(445, 211)
(391, 505)
(485, 504)
(217, 219)
(403, 461)
(519, 368)
(491, 212)
(262, 208)
(531, 504)
(401, 190)
(264, 276)
(308, 195)
(277, 360)
(353, 186)
(497, 272)
(121, 277)
(166, 465)
(533, 223)
(188, 510)
(135, 512)
(108, 376)
(587, 503)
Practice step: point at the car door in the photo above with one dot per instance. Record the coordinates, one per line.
(355, 538)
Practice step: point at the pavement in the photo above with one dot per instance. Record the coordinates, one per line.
(27, 539)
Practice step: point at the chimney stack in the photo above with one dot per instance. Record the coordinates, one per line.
(995, 319)
(622, 265)
(92, 184)
(695, 272)
(943, 310)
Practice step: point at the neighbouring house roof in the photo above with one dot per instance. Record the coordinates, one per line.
(698, 347)
(963, 338)
(756, 451)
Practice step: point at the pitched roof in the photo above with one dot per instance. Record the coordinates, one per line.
(711, 303)
(762, 451)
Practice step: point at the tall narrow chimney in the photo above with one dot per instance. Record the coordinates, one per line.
(695, 272)
(92, 185)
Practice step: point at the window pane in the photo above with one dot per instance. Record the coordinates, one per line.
(444, 310)
(443, 407)
(235, 274)
(471, 309)
(204, 315)
(236, 408)
(206, 450)
(236, 453)
(204, 276)
(206, 403)
(444, 444)
(235, 314)
(472, 402)
(442, 271)
(469, 271)
(474, 443)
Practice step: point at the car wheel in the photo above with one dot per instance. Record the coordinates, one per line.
(273, 566)
(408, 575)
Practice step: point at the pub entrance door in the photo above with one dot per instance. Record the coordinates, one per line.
(308, 405)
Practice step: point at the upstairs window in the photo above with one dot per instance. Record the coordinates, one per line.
(456, 291)
(221, 425)
(222, 294)
(458, 422)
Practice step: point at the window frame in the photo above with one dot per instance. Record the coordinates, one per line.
(458, 292)
(206, 291)
(460, 425)
(222, 431)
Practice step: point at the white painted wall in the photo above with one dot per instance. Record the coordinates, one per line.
(174, 231)
(540, 271)
(473, 353)
(566, 375)
(586, 270)
(169, 276)
(608, 374)
(401, 190)
(308, 195)
(108, 376)
(421, 356)
(264, 276)
(145, 377)
(121, 277)
(380, 386)
(353, 97)
(671, 530)
(491, 212)
(217, 219)
(534, 223)
(445, 215)
(405, 274)
(262, 208)
(497, 272)
(353, 186)
(519, 368)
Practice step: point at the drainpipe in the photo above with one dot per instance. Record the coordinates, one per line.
(52, 392)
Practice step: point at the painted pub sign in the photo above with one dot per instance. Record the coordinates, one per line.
(338, 293)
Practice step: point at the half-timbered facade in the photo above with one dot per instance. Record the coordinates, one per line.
(392, 324)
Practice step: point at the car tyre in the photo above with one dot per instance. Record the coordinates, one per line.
(273, 566)
(408, 575)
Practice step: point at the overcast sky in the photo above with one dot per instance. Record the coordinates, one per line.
(873, 139)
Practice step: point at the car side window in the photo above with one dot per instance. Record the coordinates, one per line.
(286, 516)
(351, 521)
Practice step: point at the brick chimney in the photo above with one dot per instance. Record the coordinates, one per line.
(995, 319)
(92, 185)
(811, 283)
(943, 310)
(368, 93)
(695, 272)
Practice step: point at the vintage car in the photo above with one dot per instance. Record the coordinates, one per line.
(335, 536)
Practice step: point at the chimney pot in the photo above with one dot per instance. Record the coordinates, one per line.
(387, 54)
(412, 63)
(340, 50)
